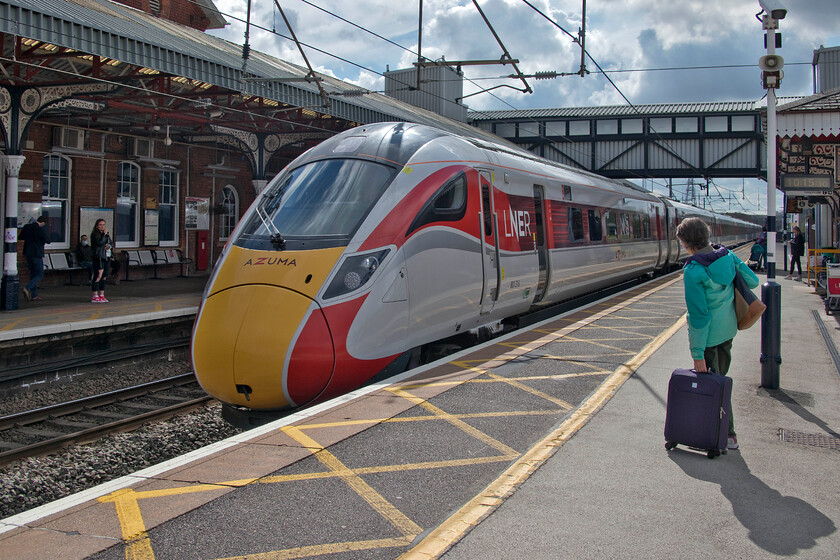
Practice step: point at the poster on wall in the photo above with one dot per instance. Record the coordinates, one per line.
(197, 213)
(150, 227)
(28, 212)
(87, 219)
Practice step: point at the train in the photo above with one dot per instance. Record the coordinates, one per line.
(390, 237)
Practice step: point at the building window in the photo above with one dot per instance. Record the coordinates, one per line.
(529, 129)
(55, 199)
(743, 123)
(579, 128)
(631, 126)
(506, 130)
(230, 212)
(686, 124)
(607, 126)
(128, 193)
(555, 128)
(168, 208)
(660, 125)
(716, 124)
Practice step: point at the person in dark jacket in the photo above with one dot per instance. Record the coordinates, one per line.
(797, 250)
(709, 298)
(102, 248)
(35, 236)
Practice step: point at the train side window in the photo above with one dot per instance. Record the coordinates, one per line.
(596, 230)
(575, 224)
(646, 226)
(623, 226)
(612, 224)
(637, 226)
(448, 204)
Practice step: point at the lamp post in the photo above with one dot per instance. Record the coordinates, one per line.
(771, 292)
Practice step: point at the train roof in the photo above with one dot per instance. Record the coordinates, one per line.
(397, 142)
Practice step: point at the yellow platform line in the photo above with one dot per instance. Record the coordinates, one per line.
(450, 531)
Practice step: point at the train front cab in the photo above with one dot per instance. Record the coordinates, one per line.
(261, 339)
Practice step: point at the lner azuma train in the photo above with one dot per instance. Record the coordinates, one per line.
(388, 237)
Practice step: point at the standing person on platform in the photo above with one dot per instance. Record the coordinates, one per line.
(101, 246)
(35, 236)
(797, 250)
(762, 240)
(84, 254)
(709, 295)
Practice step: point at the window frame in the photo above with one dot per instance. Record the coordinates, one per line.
(65, 200)
(174, 189)
(431, 213)
(121, 242)
(230, 215)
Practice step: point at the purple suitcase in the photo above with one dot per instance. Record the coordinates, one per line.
(698, 410)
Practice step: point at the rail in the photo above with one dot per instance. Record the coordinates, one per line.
(90, 418)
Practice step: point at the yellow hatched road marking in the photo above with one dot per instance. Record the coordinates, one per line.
(450, 531)
(452, 419)
(397, 518)
(516, 383)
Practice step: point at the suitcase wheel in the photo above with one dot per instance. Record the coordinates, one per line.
(669, 445)
(712, 453)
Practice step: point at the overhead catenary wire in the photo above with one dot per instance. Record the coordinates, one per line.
(355, 64)
(411, 86)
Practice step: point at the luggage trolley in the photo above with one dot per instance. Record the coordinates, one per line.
(832, 289)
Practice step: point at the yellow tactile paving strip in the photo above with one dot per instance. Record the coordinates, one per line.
(148, 505)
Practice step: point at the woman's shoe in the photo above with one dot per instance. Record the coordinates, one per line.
(27, 295)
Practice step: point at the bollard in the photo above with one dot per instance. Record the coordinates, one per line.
(771, 334)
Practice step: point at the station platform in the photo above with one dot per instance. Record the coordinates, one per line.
(433, 464)
(67, 308)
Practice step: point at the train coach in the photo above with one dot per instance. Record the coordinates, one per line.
(392, 236)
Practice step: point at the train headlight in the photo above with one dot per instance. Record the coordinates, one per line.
(354, 273)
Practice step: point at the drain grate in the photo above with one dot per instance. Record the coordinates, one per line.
(815, 440)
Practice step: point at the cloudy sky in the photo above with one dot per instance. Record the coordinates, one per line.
(654, 51)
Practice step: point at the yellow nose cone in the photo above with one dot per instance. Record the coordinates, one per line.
(241, 345)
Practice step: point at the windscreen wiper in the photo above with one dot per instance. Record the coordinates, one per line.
(276, 237)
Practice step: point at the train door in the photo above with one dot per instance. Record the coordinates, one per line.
(489, 246)
(660, 240)
(542, 248)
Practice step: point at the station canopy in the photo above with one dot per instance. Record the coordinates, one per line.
(156, 74)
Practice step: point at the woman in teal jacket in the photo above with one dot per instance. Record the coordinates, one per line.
(709, 298)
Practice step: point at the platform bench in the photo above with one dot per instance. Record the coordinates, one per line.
(172, 256)
(63, 262)
(138, 259)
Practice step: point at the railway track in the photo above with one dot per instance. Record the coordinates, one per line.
(48, 429)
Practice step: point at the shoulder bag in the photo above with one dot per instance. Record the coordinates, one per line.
(748, 308)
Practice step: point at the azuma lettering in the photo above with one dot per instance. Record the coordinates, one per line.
(270, 261)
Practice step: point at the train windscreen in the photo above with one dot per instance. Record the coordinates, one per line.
(318, 204)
